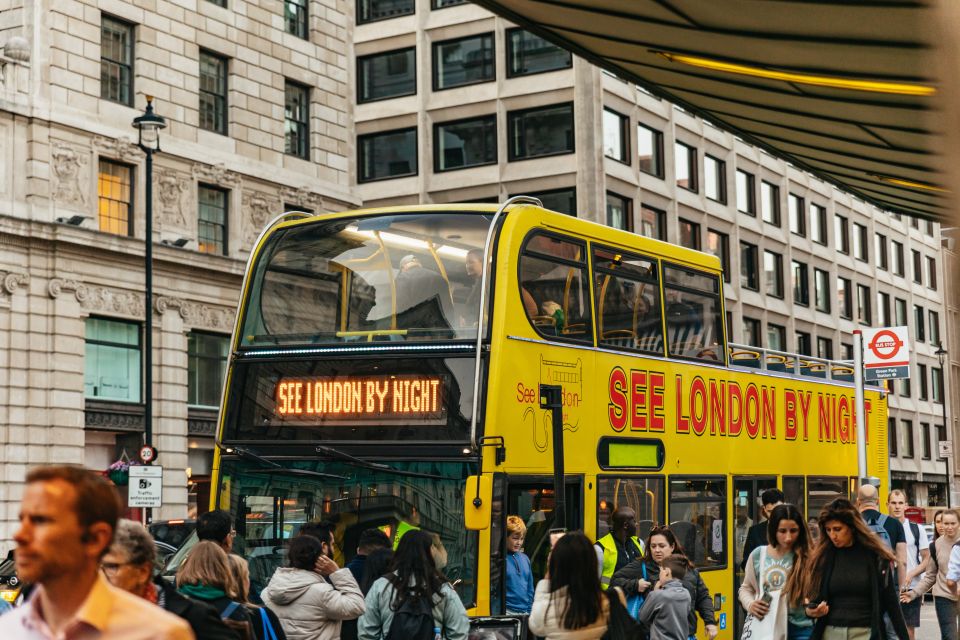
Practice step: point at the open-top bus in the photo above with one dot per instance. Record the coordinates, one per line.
(386, 371)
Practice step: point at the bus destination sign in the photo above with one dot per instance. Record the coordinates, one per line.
(417, 399)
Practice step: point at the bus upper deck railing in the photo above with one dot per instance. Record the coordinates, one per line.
(795, 364)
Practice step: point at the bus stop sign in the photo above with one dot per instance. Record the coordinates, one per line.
(886, 354)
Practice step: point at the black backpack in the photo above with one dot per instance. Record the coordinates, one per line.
(620, 624)
(413, 620)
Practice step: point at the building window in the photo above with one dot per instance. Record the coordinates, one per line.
(883, 309)
(925, 449)
(387, 154)
(653, 222)
(922, 379)
(797, 214)
(746, 198)
(528, 54)
(941, 436)
(773, 273)
(749, 266)
(932, 273)
(689, 234)
(111, 368)
(650, 150)
(841, 232)
(919, 333)
(907, 442)
(821, 290)
(465, 143)
(440, 4)
(561, 200)
(619, 214)
(915, 222)
(892, 436)
(900, 311)
(297, 19)
(917, 267)
(114, 197)
(463, 61)
(803, 343)
(860, 246)
(615, 128)
(206, 367)
(880, 247)
(718, 244)
(905, 387)
(542, 131)
(898, 266)
(213, 92)
(846, 349)
(297, 120)
(212, 225)
(934, 328)
(818, 224)
(844, 298)
(116, 60)
(685, 164)
(863, 305)
(289, 208)
(824, 348)
(770, 202)
(936, 384)
(801, 284)
(776, 337)
(373, 10)
(387, 75)
(751, 332)
(715, 179)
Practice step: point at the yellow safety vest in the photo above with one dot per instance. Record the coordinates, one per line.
(610, 557)
(402, 528)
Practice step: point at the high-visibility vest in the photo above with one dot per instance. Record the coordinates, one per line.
(402, 528)
(610, 557)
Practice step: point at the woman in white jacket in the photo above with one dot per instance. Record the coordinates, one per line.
(311, 603)
(569, 604)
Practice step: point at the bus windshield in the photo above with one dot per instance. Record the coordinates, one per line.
(273, 504)
(363, 279)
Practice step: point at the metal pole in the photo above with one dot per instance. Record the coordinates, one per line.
(148, 308)
(946, 433)
(551, 398)
(858, 406)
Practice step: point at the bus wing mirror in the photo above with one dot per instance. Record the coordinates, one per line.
(476, 502)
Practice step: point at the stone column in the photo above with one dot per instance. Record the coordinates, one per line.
(170, 406)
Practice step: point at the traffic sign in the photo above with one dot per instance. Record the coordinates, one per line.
(886, 353)
(146, 486)
(148, 454)
(946, 448)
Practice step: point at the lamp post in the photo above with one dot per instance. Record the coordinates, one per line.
(148, 127)
(941, 354)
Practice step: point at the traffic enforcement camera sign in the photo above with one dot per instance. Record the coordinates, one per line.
(146, 486)
(886, 353)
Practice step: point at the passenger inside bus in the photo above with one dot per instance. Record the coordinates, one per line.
(423, 297)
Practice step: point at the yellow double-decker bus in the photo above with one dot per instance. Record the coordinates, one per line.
(389, 369)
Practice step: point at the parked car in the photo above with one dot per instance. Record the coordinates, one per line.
(172, 532)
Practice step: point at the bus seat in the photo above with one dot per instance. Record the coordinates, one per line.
(619, 338)
(777, 362)
(745, 358)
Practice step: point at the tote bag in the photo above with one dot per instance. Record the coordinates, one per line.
(753, 627)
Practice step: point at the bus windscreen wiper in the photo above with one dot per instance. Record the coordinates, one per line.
(374, 466)
(276, 467)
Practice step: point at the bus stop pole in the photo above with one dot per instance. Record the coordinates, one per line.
(858, 407)
(551, 399)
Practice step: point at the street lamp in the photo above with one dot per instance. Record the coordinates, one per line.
(941, 354)
(148, 127)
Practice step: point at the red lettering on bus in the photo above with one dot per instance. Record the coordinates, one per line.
(735, 408)
(752, 410)
(790, 414)
(658, 385)
(717, 407)
(844, 415)
(617, 408)
(698, 405)
(768, 402)
(683, 422)
(804, 398)
(638, 400)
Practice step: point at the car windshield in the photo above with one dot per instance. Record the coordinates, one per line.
(276, 505)
(364, 279)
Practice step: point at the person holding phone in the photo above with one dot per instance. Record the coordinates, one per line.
(850, 579)
(776, 571)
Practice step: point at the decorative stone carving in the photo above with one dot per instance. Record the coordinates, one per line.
(69, 173)
(207, 317)
(58, 285)
(9, 283)
(172, 188)
(126, 303)
(303, 197)
(216, 174)
(164, 303)
(121, 148)
(258, 209)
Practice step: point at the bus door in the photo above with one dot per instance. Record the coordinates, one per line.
(533, 500)
(746, 505)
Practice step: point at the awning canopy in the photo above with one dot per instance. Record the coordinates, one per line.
(844, 90)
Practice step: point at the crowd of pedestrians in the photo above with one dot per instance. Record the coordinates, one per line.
(854, 573)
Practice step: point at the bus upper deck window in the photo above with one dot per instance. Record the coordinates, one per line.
(554, 287)
(693, 313)
(627, 292)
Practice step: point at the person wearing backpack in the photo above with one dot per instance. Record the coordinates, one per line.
(888, 529)
(944, 599)
(414, 601)
(313, 595)
(918, 552)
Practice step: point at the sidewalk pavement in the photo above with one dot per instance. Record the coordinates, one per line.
(929, 629)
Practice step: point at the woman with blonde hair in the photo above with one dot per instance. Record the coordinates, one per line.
(266, 625)
(519, 571)
(206, 575)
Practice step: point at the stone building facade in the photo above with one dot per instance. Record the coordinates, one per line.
(259, 120)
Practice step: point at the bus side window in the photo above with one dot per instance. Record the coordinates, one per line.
(643, 494)
(554, 287)
(698, 518)
(822, 490)
(627, 291)
(693, 312)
